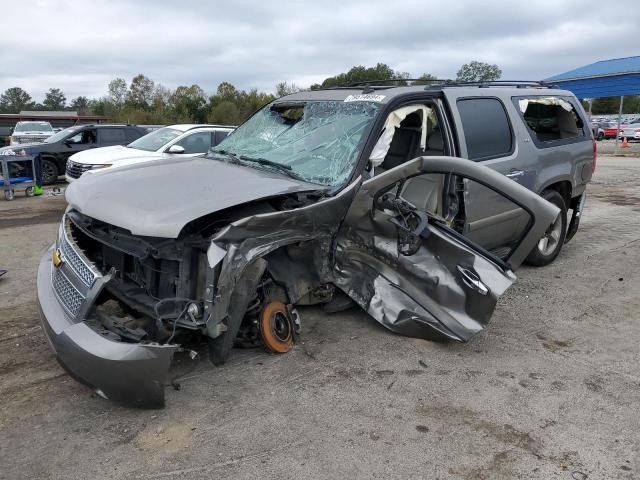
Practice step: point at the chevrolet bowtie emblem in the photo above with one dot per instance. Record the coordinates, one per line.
(55, 258)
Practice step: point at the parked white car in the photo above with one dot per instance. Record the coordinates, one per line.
(30, 132)
(631, 131)
(187, 140)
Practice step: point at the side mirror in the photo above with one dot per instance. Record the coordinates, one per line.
(177, 149)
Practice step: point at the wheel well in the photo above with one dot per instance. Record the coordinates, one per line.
(564, 189)
(54, 161)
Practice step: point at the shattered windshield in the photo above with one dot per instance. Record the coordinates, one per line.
(318, 142)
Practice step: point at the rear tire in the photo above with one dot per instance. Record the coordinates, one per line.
(549, 246)
(49, 172)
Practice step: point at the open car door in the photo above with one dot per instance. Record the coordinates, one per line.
(404, 253)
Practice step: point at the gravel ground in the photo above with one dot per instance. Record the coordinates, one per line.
(549, 390)
(608, 147)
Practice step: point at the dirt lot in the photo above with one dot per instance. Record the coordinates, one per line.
(549, 390)
(608, 147)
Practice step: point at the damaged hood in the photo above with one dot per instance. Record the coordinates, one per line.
(158, 199)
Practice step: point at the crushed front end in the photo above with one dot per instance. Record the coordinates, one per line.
(118, 353)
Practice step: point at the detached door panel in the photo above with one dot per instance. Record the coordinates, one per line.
(407, 261)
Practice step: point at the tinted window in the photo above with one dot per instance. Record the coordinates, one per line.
(198, 142)
(550, 118)
(219, 135)
(133, 134)
(486, 127)
(113, 135)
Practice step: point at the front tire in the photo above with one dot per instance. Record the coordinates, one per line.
(549, 246)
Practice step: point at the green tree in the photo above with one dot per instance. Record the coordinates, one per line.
(225, 113)
(284, 88)
(118, 91)
(15, 99)
(606, 105)
(611, 105)
(80, 105)
(381, 71)
(631, 104)
(54, 99)
(424, 79)
(230, 106)
(189, 104)
(475, 71)
(140, 91)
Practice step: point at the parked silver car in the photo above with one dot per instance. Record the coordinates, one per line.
(414, 203)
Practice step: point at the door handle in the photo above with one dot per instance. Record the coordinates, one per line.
(513, 174)
(471, 280)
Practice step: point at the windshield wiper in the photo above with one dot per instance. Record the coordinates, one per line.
(230, 155)
(264, 161)
(286, 169)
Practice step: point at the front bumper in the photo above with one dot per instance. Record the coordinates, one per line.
(130, 373)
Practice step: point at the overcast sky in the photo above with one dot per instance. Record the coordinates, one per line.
(79, 46)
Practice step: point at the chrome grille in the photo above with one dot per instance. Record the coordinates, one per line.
(77, 264)
(30, 138)
(75, 170)
(68, 296)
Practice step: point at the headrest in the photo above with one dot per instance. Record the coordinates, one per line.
(413, 120)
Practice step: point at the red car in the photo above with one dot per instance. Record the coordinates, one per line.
(612, 131)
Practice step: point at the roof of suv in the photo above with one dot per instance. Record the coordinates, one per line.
(385, 94)
(104, 125)
(183, 127)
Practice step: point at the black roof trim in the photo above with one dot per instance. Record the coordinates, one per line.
(369, 86)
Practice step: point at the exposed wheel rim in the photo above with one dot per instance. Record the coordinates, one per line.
(49, 172)
(276, 328)
(551, 239)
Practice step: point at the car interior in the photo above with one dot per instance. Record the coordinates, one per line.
(423, 191)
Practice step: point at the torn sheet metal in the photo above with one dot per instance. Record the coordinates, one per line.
(393, 121)
(428, 293)
(254, 237)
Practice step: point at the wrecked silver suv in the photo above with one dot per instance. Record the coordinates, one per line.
(320, 195)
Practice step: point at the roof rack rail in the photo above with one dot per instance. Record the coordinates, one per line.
(374, 83)
(496, 83)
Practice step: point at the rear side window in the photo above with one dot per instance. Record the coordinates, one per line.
(219, 135)
(486, 127)
(550, 119)
(113, 135)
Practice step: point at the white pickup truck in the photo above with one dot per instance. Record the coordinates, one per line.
(30, 132)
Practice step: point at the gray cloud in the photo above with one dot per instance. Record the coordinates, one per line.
(81, 46)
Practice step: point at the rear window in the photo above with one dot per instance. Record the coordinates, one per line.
(550, 119)
(486, 127)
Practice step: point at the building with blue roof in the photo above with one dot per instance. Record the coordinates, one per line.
(617, 77)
